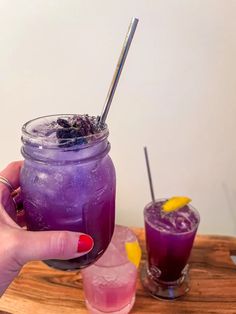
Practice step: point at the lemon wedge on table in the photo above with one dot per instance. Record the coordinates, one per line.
(175, 203)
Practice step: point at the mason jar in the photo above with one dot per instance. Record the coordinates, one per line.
(68, 187)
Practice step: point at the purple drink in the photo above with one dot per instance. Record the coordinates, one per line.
(68, 181)
(169, 240)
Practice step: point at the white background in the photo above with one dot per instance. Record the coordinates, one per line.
(177, 93)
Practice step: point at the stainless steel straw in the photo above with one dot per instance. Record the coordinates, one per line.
(149, 174)
(118, 70)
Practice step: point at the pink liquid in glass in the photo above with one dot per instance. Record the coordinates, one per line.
(110, 283)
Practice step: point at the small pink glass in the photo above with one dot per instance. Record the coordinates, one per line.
(110, 283)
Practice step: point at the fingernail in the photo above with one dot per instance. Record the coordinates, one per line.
(85, 243)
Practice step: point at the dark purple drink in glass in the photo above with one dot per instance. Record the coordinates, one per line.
(68, 183)
(169, 240)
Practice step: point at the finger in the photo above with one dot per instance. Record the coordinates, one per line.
(12, 173)
(8, 218)
(7, 202)
(43, 245)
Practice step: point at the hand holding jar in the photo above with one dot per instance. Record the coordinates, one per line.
(19, 246)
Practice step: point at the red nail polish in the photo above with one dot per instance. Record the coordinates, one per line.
(85, 243)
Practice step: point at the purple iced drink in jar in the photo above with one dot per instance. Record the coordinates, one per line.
(169, 239)
(68, 181)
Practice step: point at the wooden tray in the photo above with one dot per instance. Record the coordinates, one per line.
(42, 290)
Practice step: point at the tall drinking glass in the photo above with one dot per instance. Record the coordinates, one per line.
(68, 183)
(169, 240)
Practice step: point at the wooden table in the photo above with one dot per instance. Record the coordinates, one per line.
(42, 290)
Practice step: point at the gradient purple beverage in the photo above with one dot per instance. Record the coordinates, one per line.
(68, 185)
(169, 239)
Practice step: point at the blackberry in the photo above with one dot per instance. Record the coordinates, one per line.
(63, 122)
(75, 129)
(74, 133)
(63, 133)
(80, 141)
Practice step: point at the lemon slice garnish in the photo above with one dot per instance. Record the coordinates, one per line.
(133, 251)
(175, 202)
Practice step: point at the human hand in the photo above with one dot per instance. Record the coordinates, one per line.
(19, 246)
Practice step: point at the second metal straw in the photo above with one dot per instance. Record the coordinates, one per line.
(149, 174)
(118, 70)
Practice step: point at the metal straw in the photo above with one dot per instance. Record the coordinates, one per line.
(149, 174)
(118, 70)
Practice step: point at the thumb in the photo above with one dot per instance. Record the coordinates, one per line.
(43, 245)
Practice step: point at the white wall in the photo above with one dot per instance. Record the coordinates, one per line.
(176, 95)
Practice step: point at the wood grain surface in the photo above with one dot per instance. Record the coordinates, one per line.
(42, 290)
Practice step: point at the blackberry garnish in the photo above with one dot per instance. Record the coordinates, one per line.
(63, 133)
(63, 122)
(74, 129)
